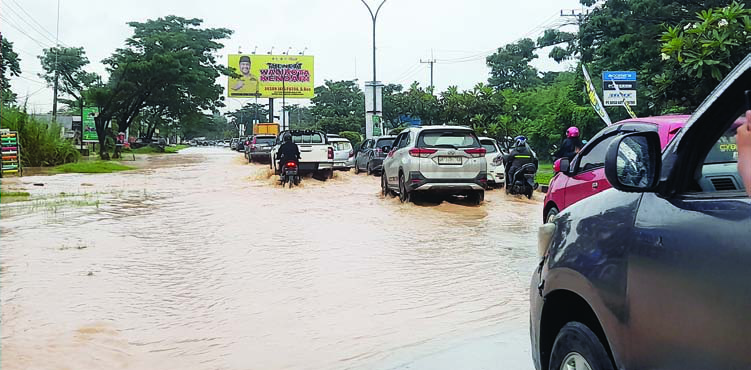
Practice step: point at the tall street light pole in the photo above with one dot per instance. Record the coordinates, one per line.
(374, 16)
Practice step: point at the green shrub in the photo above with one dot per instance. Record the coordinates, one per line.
(91, 167)
(41, 144)
(353, 137)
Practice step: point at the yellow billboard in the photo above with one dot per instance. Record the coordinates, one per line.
(271, 76)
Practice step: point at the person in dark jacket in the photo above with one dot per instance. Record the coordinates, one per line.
(571, 145)
(519, 155)
(288, 151)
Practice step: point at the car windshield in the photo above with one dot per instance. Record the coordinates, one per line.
(308, 138)
(455, 139)
(489, 146)
(724, 151)
(384, 143)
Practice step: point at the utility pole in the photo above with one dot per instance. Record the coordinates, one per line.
(57, 67)
(374, 17)
(579, 16)
(432, 62)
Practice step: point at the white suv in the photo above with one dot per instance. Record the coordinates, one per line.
(443, 159)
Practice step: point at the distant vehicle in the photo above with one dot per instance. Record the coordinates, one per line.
(584, 176)
(240, 145)
(260, 148)
(266, 129)
(233, 143)
(654, 273)
(496, 170)
(317, 155)
(371, 153)
(440, 159)
(344, 155)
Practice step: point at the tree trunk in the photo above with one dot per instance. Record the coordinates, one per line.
(102, 136)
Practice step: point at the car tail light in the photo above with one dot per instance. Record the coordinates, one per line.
(331, 153)
(378, 151)
(351, 153)
(421, 152)
(476, 152)
(247, 143)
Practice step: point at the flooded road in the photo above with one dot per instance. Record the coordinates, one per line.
(200, 261)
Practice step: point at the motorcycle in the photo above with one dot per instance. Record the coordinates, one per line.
(522, 182)
(290, 174)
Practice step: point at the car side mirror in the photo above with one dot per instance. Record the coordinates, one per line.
(633, 162)
(562, 165)
(386, 149)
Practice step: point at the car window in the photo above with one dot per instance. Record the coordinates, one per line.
(594, 158)
(448, 139)
(341, 145)
(489, 146)
(404, 141)
(385, 142)
(307, 138)
(720, 168)
(265, 141)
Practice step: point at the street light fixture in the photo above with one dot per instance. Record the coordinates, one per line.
(374, 17)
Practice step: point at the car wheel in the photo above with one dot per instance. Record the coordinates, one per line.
(576, 347)
(404, 195)
(370, 170)
(357, 168)
(552, 212)
(384, 185)
(477, 197)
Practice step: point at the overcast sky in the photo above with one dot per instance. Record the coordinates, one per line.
(458, 33)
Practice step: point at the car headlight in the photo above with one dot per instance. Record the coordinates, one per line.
(545, 238)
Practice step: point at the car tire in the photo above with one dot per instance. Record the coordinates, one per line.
(404, 195)
(357, 168)
(577, 345)
(384, 186)
(370, 170)
(476, 198)
(552, 212)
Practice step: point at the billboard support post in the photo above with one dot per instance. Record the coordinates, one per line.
(284, 100)
(271, 110)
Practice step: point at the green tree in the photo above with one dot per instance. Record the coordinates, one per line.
(69, 65)
(510, 66)
(169, 65)
(339, 106)
(247, 114)
(10, 66)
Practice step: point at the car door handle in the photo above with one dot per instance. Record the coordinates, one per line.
(595, 185)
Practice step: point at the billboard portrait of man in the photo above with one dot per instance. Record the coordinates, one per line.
(248, 83)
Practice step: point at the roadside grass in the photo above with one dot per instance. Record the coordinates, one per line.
(152, 150)
(14, 194)
(91, 167)
(174, 149)
(545, 173)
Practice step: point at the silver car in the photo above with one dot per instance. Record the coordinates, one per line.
(494, 156)
(344, 155)
(441, 159)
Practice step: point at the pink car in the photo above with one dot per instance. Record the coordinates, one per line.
(584, 176)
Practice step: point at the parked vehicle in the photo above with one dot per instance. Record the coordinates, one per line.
(371, 153)
(653, 274)
(259, 148)
(266, 129)
(317, 155)
(233, 143)
(289, 174)
(344, 154)
(584, 176)
(496, 170)
(441, 159)
(240, 145)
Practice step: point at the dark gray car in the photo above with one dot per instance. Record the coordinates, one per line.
(371, 153)
(259, 149)
(654, 273)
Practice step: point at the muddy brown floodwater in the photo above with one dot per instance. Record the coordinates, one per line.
(200, 261)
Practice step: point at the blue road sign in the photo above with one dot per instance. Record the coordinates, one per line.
(619, 75)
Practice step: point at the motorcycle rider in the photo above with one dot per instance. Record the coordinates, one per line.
(519, 155)
(571, 145)
(288, 151)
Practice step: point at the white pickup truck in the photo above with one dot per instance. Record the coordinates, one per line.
(316, 153)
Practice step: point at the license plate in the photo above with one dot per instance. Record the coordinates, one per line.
(449, 160)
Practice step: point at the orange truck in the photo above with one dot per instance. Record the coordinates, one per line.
(266, 129)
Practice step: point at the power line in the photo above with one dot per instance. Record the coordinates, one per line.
(31, 26)
(32, 18)
(17, 28)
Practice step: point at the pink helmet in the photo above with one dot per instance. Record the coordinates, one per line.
(572, 132)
